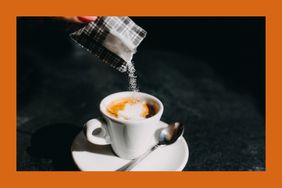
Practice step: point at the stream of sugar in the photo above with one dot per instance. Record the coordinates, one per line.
(132, 78)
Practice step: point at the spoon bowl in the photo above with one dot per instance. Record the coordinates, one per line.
(171, 133)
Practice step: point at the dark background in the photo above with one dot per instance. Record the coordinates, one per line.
(208, 71)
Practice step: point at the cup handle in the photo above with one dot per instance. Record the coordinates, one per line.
(96, 132)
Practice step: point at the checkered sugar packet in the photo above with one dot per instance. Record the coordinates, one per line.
(113, 39)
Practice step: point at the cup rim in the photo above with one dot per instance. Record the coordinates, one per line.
(158, 114)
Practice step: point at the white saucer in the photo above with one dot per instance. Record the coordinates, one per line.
(90, 157)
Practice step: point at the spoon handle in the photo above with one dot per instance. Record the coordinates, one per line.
(134, 162)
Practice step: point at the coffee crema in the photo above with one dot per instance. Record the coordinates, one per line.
(131, 109)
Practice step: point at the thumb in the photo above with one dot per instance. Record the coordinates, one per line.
(80, 19)
(86, 19)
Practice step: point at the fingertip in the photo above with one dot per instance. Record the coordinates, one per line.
(86, 19)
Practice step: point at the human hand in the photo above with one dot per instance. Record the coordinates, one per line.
(80, 19)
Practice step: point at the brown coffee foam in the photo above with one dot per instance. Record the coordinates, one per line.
(119, 105)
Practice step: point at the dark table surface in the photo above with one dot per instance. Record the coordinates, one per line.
(59, 88)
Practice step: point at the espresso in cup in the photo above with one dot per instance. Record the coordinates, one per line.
(131, 108)
(129, 123)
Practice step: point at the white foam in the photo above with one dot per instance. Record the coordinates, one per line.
(132, 112)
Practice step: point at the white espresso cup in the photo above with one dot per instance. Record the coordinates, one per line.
(128, 138)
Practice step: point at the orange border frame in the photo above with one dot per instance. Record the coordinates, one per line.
(10, 177)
